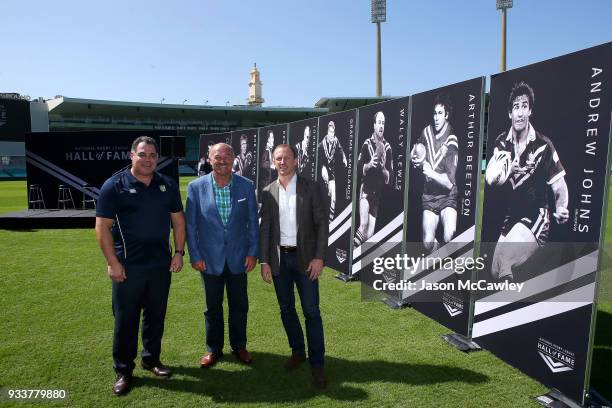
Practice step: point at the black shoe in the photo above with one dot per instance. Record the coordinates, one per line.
(122, 385)
(158, 369)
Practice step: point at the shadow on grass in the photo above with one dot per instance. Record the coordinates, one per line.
(602, 355)
(266, 381)
(603, 329)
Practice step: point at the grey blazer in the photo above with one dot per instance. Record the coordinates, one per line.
(312, 224)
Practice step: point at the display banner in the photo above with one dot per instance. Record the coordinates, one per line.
(335, 161)
(378, 218)
(83, 161)
(543, 216)
(206, 141)
(303, 135)
(209, 139)
(244, 143)
(14, 119)
(269, 138)
(443, 181)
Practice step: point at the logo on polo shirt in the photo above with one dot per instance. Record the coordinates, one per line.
(132, 191)
(162, 188)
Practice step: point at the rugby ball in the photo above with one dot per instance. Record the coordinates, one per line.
(499, 168)
(324, 174)
(418, 153)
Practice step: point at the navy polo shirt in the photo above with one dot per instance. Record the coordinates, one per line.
(141, 214)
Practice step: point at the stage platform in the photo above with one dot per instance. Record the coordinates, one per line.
(48, 219)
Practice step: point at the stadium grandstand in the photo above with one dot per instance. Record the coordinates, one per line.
(76, 114)
(19, 114)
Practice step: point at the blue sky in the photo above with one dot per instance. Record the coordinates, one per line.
(201, 50)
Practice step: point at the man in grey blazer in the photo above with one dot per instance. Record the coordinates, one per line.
(293, 239)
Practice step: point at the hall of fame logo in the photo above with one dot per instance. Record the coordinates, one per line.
(452, 304)
(341, 255)
(557, 358)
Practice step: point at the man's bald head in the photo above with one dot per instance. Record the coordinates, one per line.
(221, 159)
(221, 147)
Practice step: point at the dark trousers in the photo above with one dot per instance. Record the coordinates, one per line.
(146, 291)
(309, 298)
(238, 302)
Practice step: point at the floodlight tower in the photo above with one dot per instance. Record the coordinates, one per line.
(503, 5)
(379, 15)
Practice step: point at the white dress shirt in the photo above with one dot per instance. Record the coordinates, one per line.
(287, 212)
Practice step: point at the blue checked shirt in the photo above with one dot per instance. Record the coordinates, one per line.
(223, 198)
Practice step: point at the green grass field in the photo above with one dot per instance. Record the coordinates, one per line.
(57, 328)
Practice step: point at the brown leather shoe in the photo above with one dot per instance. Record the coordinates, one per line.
(158, 369)
(318, 378)
(294, 361)
(243, 355)
(122, 385)
(210, 359)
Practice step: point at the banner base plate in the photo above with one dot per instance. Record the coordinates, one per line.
(596, 400)
(461, 342)
(555, 399)
(345, 277)
(394, 303)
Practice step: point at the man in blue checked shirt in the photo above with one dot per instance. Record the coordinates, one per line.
(223, 240)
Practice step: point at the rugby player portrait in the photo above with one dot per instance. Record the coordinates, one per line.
(525, 163)
(435, 153)
(375, 166)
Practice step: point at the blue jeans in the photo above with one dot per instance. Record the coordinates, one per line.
(238, 302)
(309, 298)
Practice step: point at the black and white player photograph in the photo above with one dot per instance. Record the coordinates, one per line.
(545, 174)
(335, 161)
(244, 143)
(204, 167)
(333, 164)
(206, 141)
(543, 214)
(267, 173)
(382, 145)
(381, 157)
(375, 169)
(269, 138)
(435, 155)
(526, 165)
(443, 182)
(380, 167)
(302, 148)
(443, 166)
(244, 158)
(303, 136)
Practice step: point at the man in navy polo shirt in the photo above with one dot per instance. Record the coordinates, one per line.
(133, 216)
